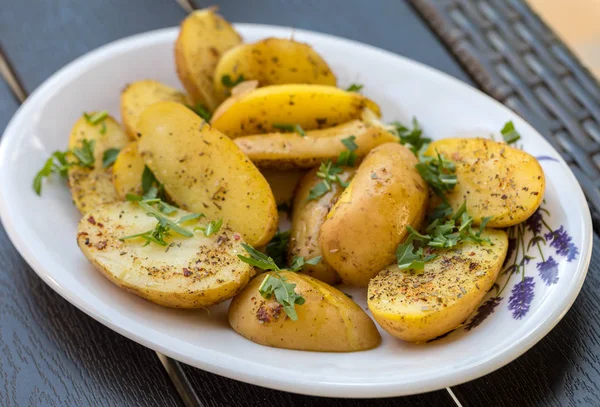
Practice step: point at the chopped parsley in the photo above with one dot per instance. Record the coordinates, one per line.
(109, 157)
(277, 247)
(328, 170)
(214, 226)
(412, 138)
(509, 134)
(276, 284)
(230, 83)
(438, 172)
(290, 128)
(201, 111)
(97, 118)
(355, 87)
(85, 154)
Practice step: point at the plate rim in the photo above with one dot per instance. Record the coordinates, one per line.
(305, 386)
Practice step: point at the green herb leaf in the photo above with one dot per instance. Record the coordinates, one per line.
(43, 173)
(95, 118)
(413, 138)
(355, 87)
(349, 143)
(148, 180)
(211, 228)
(189, 217)
(438, 172)
(85, 153)
(258, 259)
(284, 292)
(509, 133)
(298, 263)
(289, 128)
(110, 156)
(229, 83)
(201, 111)
(277, 248)
(318, 191)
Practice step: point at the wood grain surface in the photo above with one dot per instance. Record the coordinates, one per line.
(52, 354)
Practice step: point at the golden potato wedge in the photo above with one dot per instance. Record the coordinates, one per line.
(283, 184)
(310, 106)
(137, 96)
(91, 187)
(272, 61)
(284, 151)
(127, 171)
(418, 308)
(368, 221)
(203, 171)
(494, 180)
(203, 37)
(307, 218)
(194, 272)
(328, 321)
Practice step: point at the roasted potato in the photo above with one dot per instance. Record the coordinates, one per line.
(192, 272)
(420, 307)
(203, 171)
(203, 38)
(137, 96)
(284, 151)
(91, 187)
(127, 171)
(494, 180)
(368, 221)
(309, 106)
(272, 61)
(307, 218)
(328, 321)
(283, 184)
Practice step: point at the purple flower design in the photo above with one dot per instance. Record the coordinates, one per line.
(534, 223)
(512, 245)
(561, 241)
(484, 311)
(521, 297)
(548, 271)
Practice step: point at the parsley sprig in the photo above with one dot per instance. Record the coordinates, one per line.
(412, 138)
(509, 133)
(277, 247)
(290, 128)
(355, 87)
(438, 172)
(329, 171)
(277, 284)
(445, 231)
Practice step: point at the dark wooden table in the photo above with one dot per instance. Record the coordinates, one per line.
(53, 354)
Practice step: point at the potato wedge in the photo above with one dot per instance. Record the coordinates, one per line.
(272, 61)
(203, 171)
(494, 180)
(194, 272)
(284, 151)
(283, 184)
(137, 96)
(127, 171)
(203, 37)
(307, 218)
(328, 321)
(310, 106)
(418, 308)
(91, 187)
(368, 222)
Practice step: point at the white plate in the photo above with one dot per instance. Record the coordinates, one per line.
(43, 229)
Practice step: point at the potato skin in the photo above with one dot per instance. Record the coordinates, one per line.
(127, 171)
(284, 151)
(137, 96)
(203, 171)
(273, 61)
(310, 106)
(494, 180)
(194, 272)
(91, 187)
(307, 218)
(418, 308)
(203, 38)
(368, 221)
(283, 184)
(328, 321)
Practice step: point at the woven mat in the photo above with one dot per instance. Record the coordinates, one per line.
(514, 57)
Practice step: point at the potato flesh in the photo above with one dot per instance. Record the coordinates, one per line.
(310, 106)
(272, 61)
(91, 187)
(194, 272)
(137, 96)
(494, 180)
(368, 221)
(203, 171)
(328, 321)
(203, 37)
(283, 184)
(307, 218)
(418, 308)
(127, 171)
(285, 151)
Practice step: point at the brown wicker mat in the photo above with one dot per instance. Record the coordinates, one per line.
(513, 56)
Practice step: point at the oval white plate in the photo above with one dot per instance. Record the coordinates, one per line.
(43, 229)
